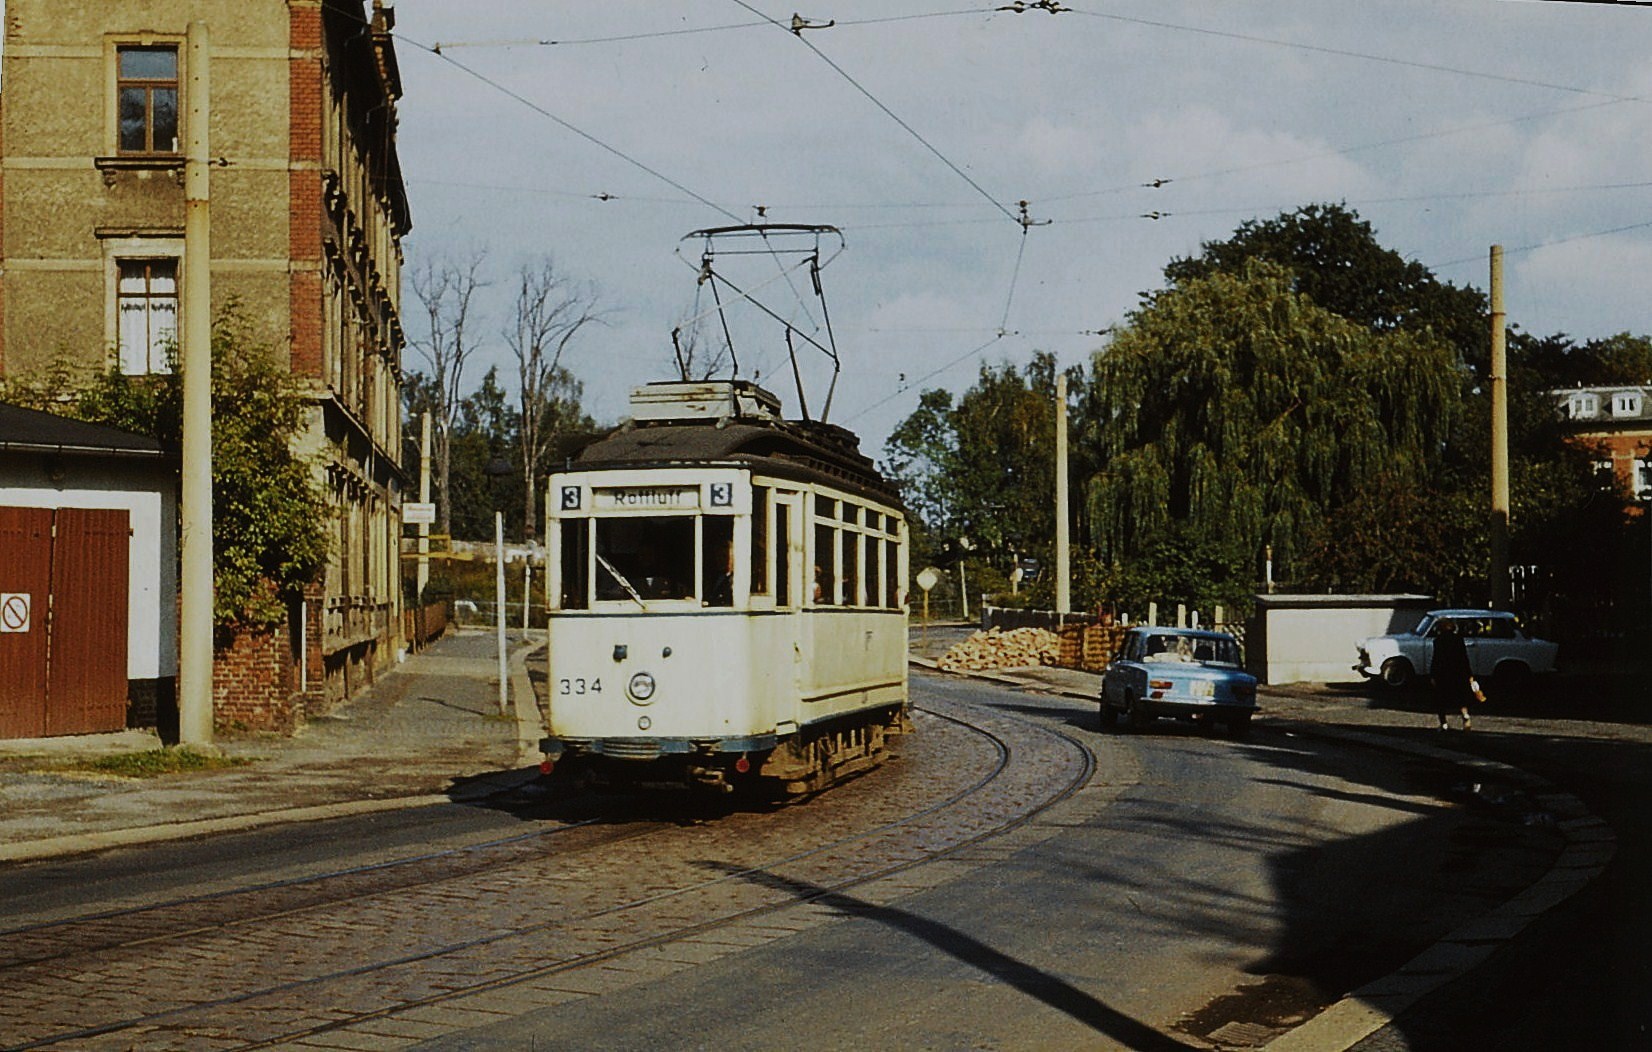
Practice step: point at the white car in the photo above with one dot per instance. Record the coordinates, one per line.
(1498, 649)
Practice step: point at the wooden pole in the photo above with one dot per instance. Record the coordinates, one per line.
(1499, 439)
(1063, 571)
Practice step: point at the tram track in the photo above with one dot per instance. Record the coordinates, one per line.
(580, 924)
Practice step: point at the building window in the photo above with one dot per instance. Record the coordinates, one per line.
(1626, 403)
(146, 91)
(147, 308)
(1583, 405)
(1643, 478)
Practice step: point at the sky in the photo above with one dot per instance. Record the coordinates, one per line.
(600, 134)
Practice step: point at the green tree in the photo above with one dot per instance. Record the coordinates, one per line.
(983, 468)
(1231, 407)
(1335, 260)
(269, 516)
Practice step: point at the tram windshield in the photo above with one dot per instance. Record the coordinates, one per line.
(645, 558)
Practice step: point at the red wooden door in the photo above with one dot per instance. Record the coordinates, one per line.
(25, 584)
(86, 674)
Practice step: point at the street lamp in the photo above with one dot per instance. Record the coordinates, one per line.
(499, 468)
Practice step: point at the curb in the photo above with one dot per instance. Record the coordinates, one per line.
(1590, 847)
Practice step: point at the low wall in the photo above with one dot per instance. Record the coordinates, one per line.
(1312, 638)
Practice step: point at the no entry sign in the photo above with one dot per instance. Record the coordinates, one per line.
(14, 611)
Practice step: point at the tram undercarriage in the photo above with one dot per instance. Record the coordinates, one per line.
(815, 758)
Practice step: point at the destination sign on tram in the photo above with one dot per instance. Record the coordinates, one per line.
(643, 497)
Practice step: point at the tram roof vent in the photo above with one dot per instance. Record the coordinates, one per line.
(707, 400)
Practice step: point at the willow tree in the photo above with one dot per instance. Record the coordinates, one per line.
(1237, 413)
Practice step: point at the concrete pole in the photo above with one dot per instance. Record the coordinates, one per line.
(527, 593)
(1499, 440)
(424, 498)
(499, 605)
(195, 507)
(1063, 571)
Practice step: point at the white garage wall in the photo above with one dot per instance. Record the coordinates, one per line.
(147, 491)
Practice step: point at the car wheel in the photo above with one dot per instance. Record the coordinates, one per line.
(1138, 714)
(1397, 673)
(1109, 718)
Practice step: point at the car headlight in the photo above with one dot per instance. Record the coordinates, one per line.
(641, 688)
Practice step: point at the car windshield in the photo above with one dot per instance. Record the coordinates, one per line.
(1424, 626)
(1191, 648)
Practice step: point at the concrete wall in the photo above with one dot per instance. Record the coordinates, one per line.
(1311, 638)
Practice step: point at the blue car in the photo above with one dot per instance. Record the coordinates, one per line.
(1182, 672)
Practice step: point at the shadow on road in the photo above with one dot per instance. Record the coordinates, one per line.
(1054, 992)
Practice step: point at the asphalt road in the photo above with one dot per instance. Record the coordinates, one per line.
(1199, 883)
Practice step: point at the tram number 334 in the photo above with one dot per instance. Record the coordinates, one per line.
(578, 686)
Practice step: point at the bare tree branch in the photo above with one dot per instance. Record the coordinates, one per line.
(550, 310)
(445, 288)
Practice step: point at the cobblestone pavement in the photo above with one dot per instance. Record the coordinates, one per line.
(428, 730)
(374, 959)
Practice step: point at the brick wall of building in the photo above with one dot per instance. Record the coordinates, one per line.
(252, 682)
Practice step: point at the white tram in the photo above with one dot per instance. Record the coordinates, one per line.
(727, 597)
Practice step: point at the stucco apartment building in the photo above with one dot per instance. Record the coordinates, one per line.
(308, 212)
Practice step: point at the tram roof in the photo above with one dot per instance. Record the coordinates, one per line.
(808, 451)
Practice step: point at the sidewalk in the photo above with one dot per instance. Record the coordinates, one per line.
(429, 731)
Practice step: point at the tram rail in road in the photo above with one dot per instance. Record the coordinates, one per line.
(529, 921)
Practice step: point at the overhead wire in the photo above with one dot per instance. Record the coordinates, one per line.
(692, 30)
(1362, 55)
(891, 114)
(1607, 99)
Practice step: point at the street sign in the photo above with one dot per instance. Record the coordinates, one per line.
(928, 578)
(416, 514)
(14, 611)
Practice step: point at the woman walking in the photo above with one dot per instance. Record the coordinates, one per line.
(1452, 676)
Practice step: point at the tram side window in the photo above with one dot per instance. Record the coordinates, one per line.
(825, 570)
(876, 584)
(892, 557)
(782, 556)
(851, 568)
(760, 540)
(717, 570)
(652, 557)
(576, 545)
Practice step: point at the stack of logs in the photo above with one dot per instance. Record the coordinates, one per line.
(1081, 646)
(994, 649)
(1089, 647)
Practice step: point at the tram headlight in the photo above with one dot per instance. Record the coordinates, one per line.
(641, 688)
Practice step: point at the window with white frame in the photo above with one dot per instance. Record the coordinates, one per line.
(1626, 403)
(1582, 405)
(1643, 476)
(146, 310)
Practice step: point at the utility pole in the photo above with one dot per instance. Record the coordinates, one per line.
(1499, 440)
(424, 498)
(1063, 572)
(195, 510)
(499, 607)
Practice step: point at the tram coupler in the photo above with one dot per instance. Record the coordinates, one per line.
(713, 778)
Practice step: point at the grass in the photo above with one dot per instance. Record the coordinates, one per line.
(155, 763)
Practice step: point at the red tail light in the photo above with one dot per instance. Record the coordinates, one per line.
(742, 765)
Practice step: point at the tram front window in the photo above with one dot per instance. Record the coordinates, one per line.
(645, 558)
